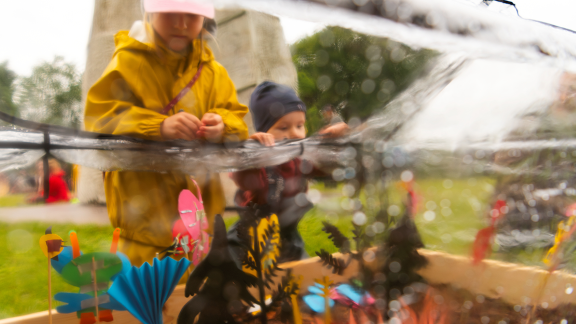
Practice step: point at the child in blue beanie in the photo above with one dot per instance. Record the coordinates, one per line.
(278, 114)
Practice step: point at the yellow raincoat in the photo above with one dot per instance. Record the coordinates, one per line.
(138, 83)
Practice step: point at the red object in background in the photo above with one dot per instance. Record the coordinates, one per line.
(58, 188)
(484, 237)
(253, 183)
(414, 199)
(497, 211)
(482, 244)
(570, 210)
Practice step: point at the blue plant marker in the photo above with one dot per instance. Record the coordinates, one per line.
(315, 301)
(74, 302)
(143, 291)
(349, 292)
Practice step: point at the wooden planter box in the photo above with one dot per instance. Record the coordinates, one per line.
(512, 283)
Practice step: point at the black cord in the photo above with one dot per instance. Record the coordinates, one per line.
(510, 3)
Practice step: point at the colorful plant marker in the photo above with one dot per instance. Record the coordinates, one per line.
(193, 217)
(51, 246)
(143, 291)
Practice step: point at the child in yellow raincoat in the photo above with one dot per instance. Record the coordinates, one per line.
(141, 94)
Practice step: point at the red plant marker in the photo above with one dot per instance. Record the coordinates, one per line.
(485, 236)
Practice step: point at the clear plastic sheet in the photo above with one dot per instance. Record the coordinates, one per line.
(445, 25)
(491, 120)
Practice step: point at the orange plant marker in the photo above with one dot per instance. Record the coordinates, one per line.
(75, 245)
(115, 238)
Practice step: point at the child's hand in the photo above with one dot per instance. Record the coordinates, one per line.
(335, 130)
(263, 138)
(212, 127)
(180, 126)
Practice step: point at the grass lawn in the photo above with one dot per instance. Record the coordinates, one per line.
(23, 268)
(13, 200)
(449, 215)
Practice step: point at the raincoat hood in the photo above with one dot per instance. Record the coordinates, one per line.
(138, 39)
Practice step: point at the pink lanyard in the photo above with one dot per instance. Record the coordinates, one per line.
(182, 93)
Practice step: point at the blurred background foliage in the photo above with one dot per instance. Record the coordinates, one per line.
(51, 94)
(355, 73)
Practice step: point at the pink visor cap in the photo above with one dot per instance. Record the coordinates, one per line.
(197, 7)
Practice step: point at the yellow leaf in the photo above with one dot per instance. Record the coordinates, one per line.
(268, 258)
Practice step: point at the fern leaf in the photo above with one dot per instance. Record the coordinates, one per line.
(336, 264)
(339, 240)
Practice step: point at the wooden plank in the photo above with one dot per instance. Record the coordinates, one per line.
(310, 269)
(173, 306)
(513, 283)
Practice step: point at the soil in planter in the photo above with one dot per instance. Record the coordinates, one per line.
(445, 305)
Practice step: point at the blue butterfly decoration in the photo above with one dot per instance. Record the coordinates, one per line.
(342, 293)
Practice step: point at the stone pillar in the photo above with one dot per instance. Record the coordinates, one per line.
(250, 45)
(110, 16)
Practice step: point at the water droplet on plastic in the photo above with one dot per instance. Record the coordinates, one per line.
(406, 176)
(368, 86)
(388, 162)
(395, 320)
(373, 52)
(338, 174)
(359, 218)
(322, 58)
(379, 227)
(395, 266)
(369, 256)
(393, 210)
(324, 82)
(374, 70)
(348, 190)
(429, 215)
(314, 195)
(326, 38)
(397, 55)
(19, 241)
(447, 183)
(404, 12)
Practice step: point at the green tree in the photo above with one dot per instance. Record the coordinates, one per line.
(7, 78)
(355, 73)
(52, 94)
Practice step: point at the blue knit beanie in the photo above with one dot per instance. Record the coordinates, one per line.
(270, 102)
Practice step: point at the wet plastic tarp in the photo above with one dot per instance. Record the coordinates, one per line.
(496, 89)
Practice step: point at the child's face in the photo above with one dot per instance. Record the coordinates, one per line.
(290, 126)
(177, 30)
